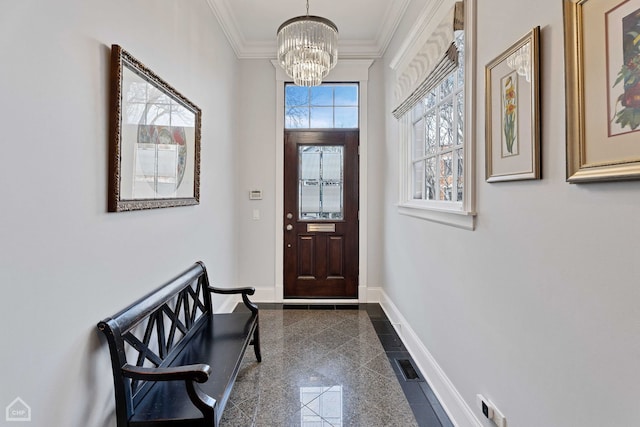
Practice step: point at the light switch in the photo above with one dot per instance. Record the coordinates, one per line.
(256, 214)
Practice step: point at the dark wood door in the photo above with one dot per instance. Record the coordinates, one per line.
(321, 214)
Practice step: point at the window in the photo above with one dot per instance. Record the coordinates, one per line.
(436, 138)
(436, 121)
(328, 106)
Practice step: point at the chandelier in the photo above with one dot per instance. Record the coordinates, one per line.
(308, 48)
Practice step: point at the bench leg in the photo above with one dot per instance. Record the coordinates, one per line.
(205, 403)
(256, 343)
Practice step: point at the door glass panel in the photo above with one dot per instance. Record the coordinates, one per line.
(309, 196)
(332, 166)
(332, 198)
(310, 165)
(320, 183)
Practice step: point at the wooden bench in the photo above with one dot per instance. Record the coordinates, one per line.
(169, 340)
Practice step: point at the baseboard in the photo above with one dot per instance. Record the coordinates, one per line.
(459, 412)
(367, 294)
(374, 294)
(264, 295)
(228, 305)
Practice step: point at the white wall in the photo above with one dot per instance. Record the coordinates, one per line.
(256, 166)
(537, 308)
(65, 263)
(376, 166)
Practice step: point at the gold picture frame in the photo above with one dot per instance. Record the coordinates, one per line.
(512, 126)
(602, 144)
(154, 144)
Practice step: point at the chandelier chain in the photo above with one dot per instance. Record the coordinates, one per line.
(307, 7)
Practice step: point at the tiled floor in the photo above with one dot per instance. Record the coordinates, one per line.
(328, 367)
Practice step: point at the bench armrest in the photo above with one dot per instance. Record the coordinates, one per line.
(188, 373)
(198, 373)
(245, 295)
(229, 291)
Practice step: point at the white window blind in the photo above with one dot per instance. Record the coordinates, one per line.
(436, 59)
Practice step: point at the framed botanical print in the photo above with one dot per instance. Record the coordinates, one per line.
(512, 127)
(602, 60)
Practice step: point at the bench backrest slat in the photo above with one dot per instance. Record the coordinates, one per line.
(153, 330)
(142, 308)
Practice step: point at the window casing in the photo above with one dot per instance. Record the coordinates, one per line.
(436, 144)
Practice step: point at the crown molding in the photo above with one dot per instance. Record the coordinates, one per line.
(394, 13)
(427, 18)
(245, 49)
(229, 25)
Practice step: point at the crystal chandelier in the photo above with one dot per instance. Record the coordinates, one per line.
(308, 48)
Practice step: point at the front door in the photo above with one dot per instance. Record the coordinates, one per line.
(321, 214)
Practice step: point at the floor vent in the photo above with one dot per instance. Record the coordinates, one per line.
(407, 369)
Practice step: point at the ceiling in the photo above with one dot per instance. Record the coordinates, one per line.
(365, 26)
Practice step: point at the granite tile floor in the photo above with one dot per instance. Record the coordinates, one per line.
(319, 368)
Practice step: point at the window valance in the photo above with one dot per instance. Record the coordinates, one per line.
(437, 57)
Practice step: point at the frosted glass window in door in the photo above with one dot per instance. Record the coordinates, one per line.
(332, 198)
(309, 197)
(310, 165)
(320, 182)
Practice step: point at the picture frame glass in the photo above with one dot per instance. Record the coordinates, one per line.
(512, 122)
(159, 134)
(155, 140)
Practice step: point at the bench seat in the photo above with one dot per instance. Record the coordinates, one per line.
(219, 344)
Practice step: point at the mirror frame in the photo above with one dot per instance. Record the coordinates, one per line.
(122, 61)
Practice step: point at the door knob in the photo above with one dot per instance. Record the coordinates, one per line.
(289, 227)
(289, 215)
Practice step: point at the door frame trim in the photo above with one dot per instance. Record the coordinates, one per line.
(351, 70)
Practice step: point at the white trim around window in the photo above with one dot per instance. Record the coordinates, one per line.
(457, 214)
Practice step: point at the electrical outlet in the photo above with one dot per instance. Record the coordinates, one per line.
(490, 411)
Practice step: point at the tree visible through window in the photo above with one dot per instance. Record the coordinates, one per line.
(330, 105)
(437, 137)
